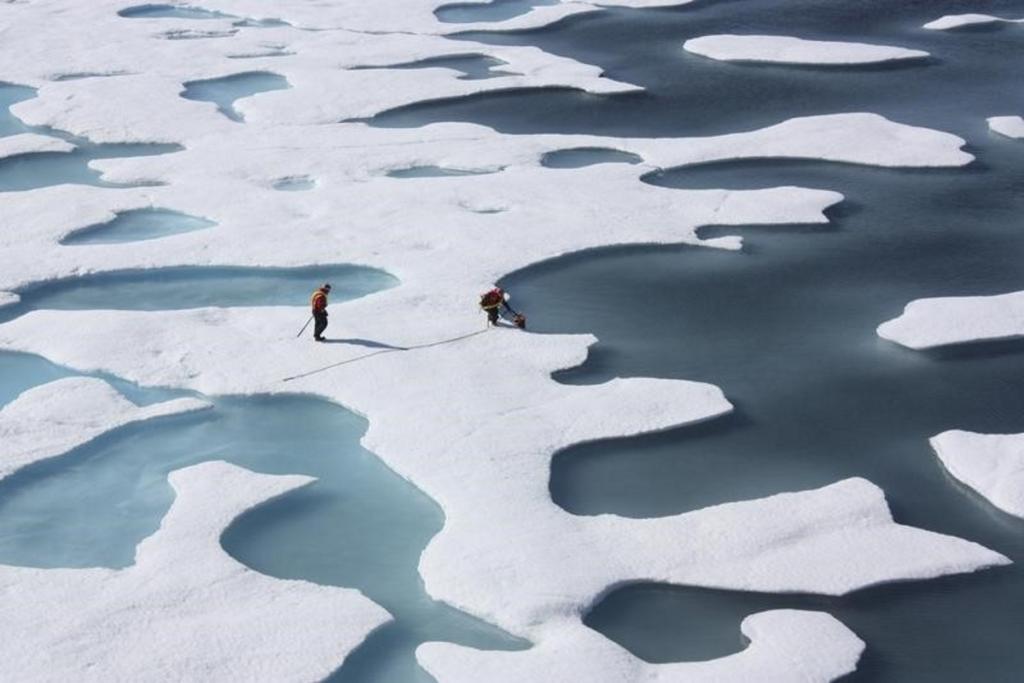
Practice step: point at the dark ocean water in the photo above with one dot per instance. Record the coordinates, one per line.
(786, 327)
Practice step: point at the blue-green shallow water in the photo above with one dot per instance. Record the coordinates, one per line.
(33, 171)
(197, 287)
(45, 169)
(138, 225)
(157, 11)
(224, 92)
(20, 372)
(360, 525)
(11, 95)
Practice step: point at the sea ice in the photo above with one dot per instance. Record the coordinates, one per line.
(137, 225)
(785, 645)
(955, 21)
(1010, 126)
(472, 417)
(791, 50)
(503, 533)
(956, 320)
(991, 464)
(31, 143)
(50, 420)
(185, 610)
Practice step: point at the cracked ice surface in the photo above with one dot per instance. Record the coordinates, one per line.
(791, 50)
(785, 645)
(50, 420)
(185, 610)
(477, 441)
(940, 321)
(991, 464)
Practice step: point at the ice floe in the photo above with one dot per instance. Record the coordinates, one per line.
(785, 645)
(991, 464)
(956, 21)
(503, 532)
(31, 143)
(185, 610)
(940, 321)
(50, 420)
(791, 50)
(1010, 126)
(472, 417)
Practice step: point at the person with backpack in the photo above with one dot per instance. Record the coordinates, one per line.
(319, 303)
(493, 300)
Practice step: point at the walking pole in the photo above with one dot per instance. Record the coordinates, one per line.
(304, 327)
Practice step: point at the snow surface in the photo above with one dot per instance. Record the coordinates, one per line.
(8, 299)
(1010, 126)
(594, 206)
(185, 610)
(50, 420)
(955, 21)
(791, 50)
(785, 645)
(477, 440)
(30, 143)
(940, 321)
(991, 464)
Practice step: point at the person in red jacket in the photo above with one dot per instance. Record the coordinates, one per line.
(319, 303)
(493, 300)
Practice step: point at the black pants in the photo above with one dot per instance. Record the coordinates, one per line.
(320, 324)
(492, 315)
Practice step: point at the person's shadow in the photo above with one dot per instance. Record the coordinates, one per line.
(369, 343)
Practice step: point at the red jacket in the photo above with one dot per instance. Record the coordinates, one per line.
(319, 301)
(492, 299)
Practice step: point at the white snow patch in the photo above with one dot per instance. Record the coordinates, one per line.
(185, 610)
(939, 321)
(991, 464)
(791, 50)
(8, 299)
(785, 645)
(31, 143)
(1010, 126)
(49, 420)
(955, 21)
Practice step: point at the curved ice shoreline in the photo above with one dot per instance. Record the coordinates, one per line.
(215, 619)
(784, 645)
(47, 421)
(991, 464)
(1010, 126)
(31, 143)
(792, 50)
(498, 564)
(943, 321)
(956, 21)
